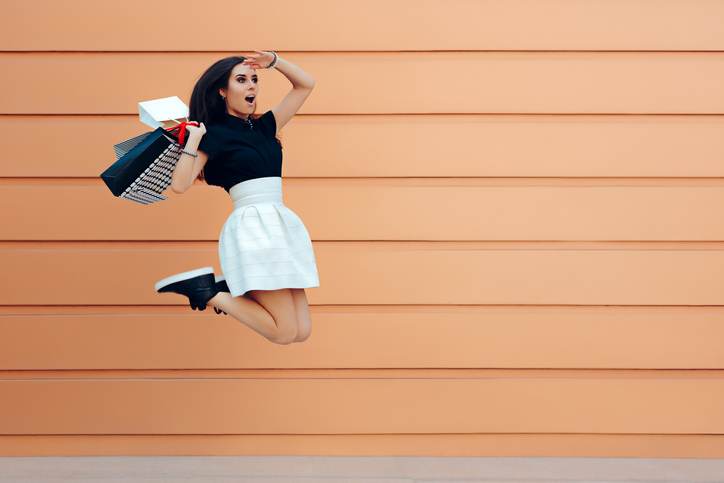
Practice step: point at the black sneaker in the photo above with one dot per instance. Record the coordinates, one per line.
(198, 285)
(221, 286)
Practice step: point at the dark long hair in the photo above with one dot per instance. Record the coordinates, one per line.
(206, 105)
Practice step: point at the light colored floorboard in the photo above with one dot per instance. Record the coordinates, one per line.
(363, 469)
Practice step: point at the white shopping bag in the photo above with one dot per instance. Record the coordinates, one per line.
(153, 113)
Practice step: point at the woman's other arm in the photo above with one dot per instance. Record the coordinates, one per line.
(188, 167)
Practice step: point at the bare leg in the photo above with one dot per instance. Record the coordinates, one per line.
(268, 312)
(304, 320)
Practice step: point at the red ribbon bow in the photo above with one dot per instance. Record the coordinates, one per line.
(181, 127)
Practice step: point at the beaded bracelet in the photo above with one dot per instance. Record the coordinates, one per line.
(195, 155)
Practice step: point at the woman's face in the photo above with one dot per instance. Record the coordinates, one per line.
(241, 89)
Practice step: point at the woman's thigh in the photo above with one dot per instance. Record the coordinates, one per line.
(304, 321)
(280, 304)
(302, 304)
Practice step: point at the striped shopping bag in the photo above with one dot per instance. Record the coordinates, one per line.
(145, 163)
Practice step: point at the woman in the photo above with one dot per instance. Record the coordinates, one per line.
(265, 251)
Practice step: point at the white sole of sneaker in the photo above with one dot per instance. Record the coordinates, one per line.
(182, 276)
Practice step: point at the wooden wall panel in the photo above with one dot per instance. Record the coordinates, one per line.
(360, 405)
(500, 148)
(366, 209)
(439, 340)
(385, 82)
(438, 444)
(367, 272)
(379, 25)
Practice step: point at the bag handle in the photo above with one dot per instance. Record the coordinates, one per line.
(181, 128)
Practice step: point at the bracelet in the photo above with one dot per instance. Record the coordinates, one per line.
(195, 155)
(273, 62)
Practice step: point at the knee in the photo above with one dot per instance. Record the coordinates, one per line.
(285, 336)
(303, 335)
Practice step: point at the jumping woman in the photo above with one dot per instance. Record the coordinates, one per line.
(265, 251)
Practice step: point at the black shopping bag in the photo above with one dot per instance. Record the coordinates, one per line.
(144, 164)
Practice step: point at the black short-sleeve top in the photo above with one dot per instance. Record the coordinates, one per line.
(238, 151)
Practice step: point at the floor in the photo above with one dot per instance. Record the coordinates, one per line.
(330, 469)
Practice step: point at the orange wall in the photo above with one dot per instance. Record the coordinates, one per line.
(515, 206)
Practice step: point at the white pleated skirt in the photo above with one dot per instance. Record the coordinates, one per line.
(264, 245)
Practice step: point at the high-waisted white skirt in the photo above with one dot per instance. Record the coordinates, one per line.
(263, 244)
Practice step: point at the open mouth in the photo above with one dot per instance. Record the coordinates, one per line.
(250, 99)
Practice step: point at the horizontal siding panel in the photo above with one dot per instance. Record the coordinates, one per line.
(414, 145)
(236, 405)
(413, 82)
(102, 273)
(346, 26)
(445, 337)
(441, 209)
(603, 445)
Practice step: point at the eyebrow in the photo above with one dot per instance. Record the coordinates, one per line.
(244, 75)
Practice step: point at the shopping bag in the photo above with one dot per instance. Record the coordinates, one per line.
(154, 112)
(145, 163)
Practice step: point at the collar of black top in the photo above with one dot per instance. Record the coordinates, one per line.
(238, 120)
